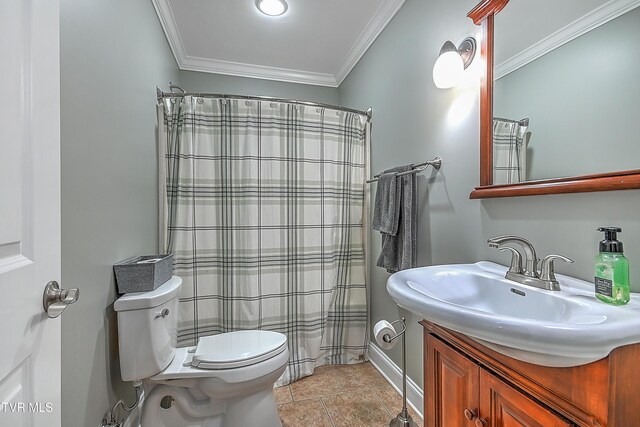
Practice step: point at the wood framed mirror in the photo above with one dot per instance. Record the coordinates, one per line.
(629, 178)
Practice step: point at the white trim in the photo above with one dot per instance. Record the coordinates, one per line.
(372, 30)
(206, 65)
(393, 374)
(13, 263)
(603, 14)
(369, 34)
(170, 28)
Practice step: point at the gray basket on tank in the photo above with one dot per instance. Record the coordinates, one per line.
(143, 273)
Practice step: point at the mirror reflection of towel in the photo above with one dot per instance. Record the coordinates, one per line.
(509, 151)
(399, 250)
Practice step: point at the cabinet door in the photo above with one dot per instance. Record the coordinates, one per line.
(451, 386)
(503, 406)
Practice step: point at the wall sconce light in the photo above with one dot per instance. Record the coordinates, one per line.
(451, 63)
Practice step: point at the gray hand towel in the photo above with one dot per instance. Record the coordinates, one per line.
(399, 251)
(386, 210)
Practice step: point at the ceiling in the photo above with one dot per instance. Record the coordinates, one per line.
(315, 42)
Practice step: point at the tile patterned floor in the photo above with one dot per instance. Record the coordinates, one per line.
(341, 395)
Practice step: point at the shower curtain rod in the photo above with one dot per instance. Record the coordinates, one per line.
(160, 95)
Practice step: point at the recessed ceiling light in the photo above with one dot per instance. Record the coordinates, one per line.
(272, 7)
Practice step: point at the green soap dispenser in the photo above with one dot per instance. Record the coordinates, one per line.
(612, 269)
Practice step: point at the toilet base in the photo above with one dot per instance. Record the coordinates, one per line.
(257, 409)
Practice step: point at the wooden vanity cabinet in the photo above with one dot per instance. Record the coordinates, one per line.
(453, 383)
(469, 385)
(505, 406)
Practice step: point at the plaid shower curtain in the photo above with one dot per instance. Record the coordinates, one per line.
(262, 205)
(509, 151)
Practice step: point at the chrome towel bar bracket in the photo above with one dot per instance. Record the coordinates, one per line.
(415, 168)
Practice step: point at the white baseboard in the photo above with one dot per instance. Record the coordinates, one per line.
(393, 374)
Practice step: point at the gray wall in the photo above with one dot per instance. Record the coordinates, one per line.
(113, 53)
(582, 102)
(413, 120)
(193, 81)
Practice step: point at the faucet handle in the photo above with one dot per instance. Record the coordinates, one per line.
(516, 259)
(530, 269)
(547, 271)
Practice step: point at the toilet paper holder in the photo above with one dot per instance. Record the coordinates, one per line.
(388, 338)
(403, 419)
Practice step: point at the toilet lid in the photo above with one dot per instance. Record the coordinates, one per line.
(237, 349)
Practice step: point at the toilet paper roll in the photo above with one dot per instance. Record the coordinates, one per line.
(381, 329)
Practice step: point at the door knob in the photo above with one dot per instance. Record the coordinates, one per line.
(55, 300)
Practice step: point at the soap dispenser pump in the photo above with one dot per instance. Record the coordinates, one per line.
(611, 269)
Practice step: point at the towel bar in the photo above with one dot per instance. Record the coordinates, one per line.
(416, 168)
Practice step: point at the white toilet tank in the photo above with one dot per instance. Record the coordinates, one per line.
(147, 330)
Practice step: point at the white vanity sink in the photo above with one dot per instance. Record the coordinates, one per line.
(550, 328)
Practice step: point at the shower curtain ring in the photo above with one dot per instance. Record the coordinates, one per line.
(172, 87)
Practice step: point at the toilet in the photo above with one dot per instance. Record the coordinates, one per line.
(226, 380)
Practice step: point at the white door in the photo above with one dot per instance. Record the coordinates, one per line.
(29, 211)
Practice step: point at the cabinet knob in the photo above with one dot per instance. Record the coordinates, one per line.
(481, 422)
(470, 414)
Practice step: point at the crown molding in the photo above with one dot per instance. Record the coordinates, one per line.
(580, 26)
(168, 22)
(207, 65)
(369, 34)
(374, 27)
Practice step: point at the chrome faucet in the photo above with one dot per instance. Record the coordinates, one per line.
(543, 279)
(531, 260)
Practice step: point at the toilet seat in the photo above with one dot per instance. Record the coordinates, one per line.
(254, 364)
(237, 349)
